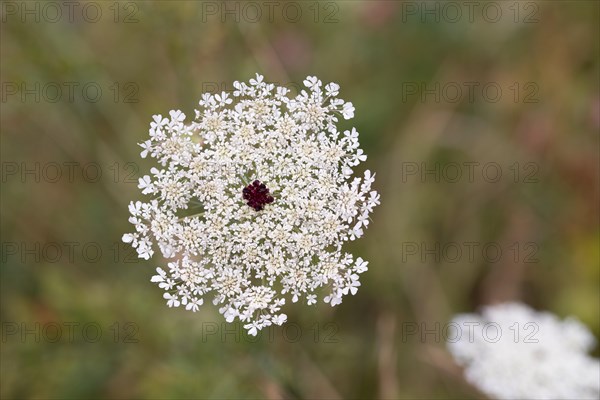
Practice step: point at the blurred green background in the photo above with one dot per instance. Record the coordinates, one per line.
(400, 63)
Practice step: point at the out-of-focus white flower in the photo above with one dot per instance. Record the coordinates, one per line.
(253, 201)
(513, 352)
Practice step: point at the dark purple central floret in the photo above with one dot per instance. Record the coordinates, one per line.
(257, 195)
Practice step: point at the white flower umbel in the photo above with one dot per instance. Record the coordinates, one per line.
(513, 352)
(253, 200)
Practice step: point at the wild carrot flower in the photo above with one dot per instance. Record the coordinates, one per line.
(514, 352)
(252, 201)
